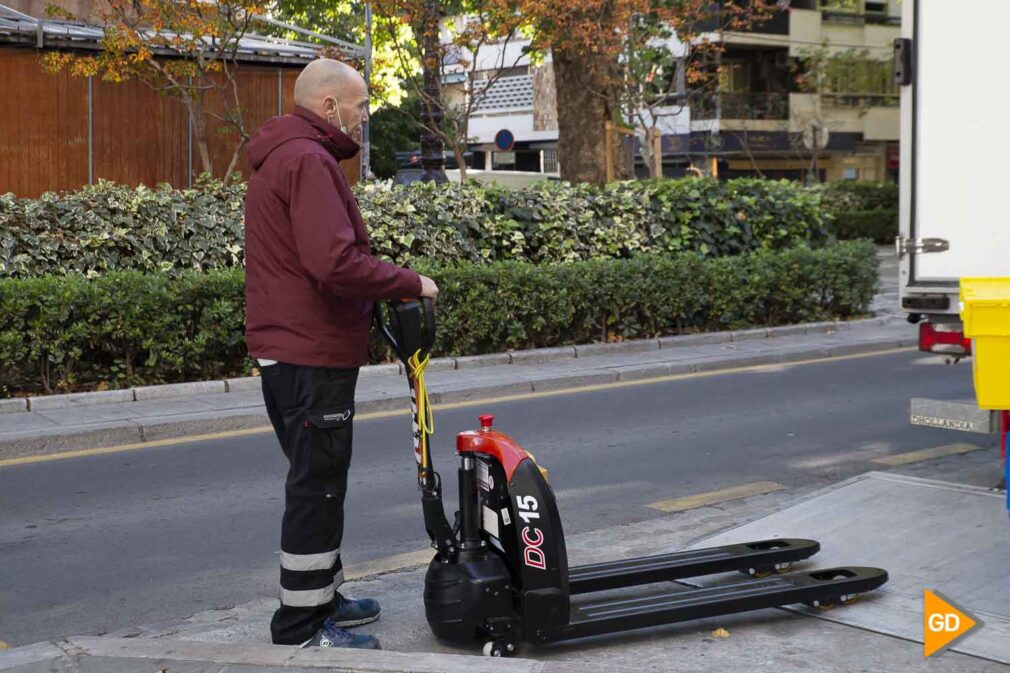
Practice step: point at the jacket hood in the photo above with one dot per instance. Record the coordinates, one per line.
(302, 124)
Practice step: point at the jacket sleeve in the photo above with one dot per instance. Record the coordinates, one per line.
(324, 238)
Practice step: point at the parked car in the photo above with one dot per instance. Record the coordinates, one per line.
(405, 176)
(410, 170)
(412, 159)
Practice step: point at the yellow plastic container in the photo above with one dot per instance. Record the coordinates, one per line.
(985, 311)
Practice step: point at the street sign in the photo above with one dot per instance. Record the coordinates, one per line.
(504, 140)
(504, 158)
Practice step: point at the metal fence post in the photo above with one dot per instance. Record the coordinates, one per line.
(91, 131)
(189, 144)
(366, 140)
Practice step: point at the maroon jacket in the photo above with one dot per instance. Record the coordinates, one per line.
(310, 276)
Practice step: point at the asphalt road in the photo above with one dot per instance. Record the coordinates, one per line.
(95, 544)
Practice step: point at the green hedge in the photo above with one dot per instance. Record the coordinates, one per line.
(560, 222)
(109, 227)
(515, 305)
(847, 195)
(66, 333)
(878, 225)
(856, 209)
(62, 333)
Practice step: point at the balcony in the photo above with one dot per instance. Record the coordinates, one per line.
(859, 101)
(852, 18)
(869, 29)
(778, 24)
(857, 12)
(743, 105)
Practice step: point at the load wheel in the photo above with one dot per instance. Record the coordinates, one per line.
(823, 605)
(763, 571)
(499, 648)
(828, 603)
(759, 572)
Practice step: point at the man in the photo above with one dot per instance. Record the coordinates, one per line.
(310, 284)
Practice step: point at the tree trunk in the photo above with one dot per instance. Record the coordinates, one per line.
(460, 154)
(582, 114)
(432, 111)
(650, 162)
(233, 164)
(203, 147)
(653, 162)
(199, 123)
(745, 144)
(581, 119)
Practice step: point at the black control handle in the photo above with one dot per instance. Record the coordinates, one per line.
(408, 325)
(428, 338)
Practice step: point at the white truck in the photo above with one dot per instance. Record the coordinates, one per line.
(951, 66)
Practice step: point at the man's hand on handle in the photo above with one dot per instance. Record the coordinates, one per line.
(428, 288)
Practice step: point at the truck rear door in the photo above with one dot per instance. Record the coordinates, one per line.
(955, 182)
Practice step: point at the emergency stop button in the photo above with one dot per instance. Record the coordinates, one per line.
(486, 421)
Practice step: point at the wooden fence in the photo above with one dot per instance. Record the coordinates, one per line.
(59, 132)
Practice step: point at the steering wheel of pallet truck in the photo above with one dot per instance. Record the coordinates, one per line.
(408, 325)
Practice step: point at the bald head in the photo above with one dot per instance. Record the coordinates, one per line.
(334, 91)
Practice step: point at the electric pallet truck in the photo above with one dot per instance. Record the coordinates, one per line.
(500, 573)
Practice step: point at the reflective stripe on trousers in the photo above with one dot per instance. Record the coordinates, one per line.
(303, 562)
(312, 597)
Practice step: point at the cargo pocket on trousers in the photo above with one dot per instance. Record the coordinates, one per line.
(330, 430)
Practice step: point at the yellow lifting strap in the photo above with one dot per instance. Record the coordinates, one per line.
(425, 418)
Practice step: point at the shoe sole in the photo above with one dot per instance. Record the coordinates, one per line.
(357, 622)
(306, 643)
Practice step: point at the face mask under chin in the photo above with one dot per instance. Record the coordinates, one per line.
(340, 122)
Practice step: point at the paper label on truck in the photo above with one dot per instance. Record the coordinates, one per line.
(484, 476)
(490, 521)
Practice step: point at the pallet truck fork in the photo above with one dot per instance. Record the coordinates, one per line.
(500, 572)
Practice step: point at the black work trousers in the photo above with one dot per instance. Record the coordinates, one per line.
(312, 412)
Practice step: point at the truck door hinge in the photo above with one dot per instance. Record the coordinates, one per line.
(903, 64)
(905, 246)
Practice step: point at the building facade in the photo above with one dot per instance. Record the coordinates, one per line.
(520, 102)
(808, 94)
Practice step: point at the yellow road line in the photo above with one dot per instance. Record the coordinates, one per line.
(927, 454)
(78, 453)
(660, 379)
(715, 497)
(387, 564)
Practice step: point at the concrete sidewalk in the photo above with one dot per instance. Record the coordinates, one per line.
(51, 424)
(128, 655)
(237, 639)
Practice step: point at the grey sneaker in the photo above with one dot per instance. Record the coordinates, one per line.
(330, 635)
(350, 612)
